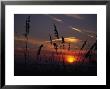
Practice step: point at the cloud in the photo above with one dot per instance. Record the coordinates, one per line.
(77, 16)
(67, 40)
(76, 29)
(54, 18)
(86, 32)
(72, 40)
(34, 41)
(31, 40)
(20, 40)
(91, 32)
(91, 36)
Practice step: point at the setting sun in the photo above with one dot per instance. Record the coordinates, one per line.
(70, 59)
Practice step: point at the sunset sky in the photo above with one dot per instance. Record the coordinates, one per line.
(75, 28)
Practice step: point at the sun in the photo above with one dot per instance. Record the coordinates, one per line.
(70, 59)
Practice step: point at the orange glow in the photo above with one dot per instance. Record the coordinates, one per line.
(70, 59)
(67, 39)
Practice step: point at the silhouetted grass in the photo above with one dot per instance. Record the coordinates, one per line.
(54, 62)
(26, 53)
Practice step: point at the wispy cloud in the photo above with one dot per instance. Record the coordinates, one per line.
(91, 36)
(34, 41)
(86, 32)
(91, 32)
(54, 18)
(76, 29)
(67, 40)
(31, 40)
(47, 46)
(77, 16)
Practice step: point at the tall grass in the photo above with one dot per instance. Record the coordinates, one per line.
(83, 45)
(39, 51)
(63, 42)
(56, 32)
(50, 38)
(93, 47)
(56, 46)
(27, 31)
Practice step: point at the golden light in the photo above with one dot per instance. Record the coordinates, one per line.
(71, 40)
(70, 59)
(67, 39)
